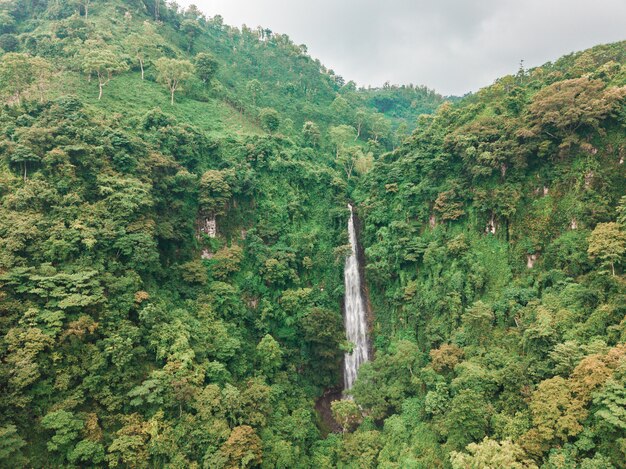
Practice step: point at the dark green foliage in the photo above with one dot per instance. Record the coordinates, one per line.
(206, 67)
(9, 43)
(269, 119)
(493, 239)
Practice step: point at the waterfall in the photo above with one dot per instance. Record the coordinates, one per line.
(355, 318)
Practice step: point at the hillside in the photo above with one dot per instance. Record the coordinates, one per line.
(173, 212)
(495, 241)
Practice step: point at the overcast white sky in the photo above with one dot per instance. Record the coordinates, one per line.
(453, 46)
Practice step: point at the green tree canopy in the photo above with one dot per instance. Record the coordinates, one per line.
(173, 73)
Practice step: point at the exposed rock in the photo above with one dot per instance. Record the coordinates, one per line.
(206, 254)
(432, 221)
(491, 225)
(207, 225)
(546, 190)
(531, 259)
(573, 224)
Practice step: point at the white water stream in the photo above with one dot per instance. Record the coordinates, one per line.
(355, 317)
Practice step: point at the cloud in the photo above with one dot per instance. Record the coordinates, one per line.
(454, 46)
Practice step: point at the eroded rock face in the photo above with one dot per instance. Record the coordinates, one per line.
(491, 227)
(207, 225)
(531, 259)
(206, 254)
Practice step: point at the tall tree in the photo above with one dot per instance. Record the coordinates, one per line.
(84, 4)
(607, 244)
(311, 134)
(172, 73)
(270, 119)
(42, 71)
(104, 64)
(191, 29)
(206, 67)
(16, 74)
(142, 45)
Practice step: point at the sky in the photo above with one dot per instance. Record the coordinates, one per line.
(452, 46)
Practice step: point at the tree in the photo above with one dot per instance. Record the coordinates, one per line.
(143, 45)
(270, 119)
(341, 136)
(24, 156)
(191, 29)
(215, 191)
(253, 88)
(446, 357)
(269, 354)
(607, 244)
(346, 413)
(467, 418)
(492, 454)
(7, 23)
(16, 74)
(9, 43)
(360, 118)
(66, 427)
(556, 414)
(11, 444)
(364, 163)
(346, 154)
(243, 448)
(340, 107)
(563, 107)
(172, 73)
(311, 134)
(85, 6)
(477, 321)
(104, 63)
(206, 67)
(42, 71)
(380, 127)
(351, 158)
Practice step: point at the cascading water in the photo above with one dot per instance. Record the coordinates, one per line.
(355, 318)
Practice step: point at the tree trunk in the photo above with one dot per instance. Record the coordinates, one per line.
(172, 97)
(100, 94)
(24, 171)
(141, 65)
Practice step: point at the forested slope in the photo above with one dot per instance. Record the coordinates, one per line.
(495, 244)
(173, 216)
(172, 219)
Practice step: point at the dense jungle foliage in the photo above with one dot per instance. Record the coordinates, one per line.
(173, 217)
